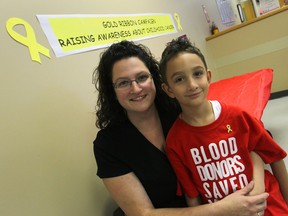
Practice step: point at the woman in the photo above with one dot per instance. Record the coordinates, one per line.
(134, 116)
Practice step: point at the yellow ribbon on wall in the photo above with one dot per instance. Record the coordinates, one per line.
(30, 40)
(177, 19)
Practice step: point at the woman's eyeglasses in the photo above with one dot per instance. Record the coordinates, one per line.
(123, 84)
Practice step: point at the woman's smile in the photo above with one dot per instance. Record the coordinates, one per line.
(138, 98)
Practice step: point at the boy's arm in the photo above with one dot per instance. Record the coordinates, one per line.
(258, 179)
(258, 174)
(280, 172)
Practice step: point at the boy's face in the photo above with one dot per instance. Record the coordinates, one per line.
(187, 80)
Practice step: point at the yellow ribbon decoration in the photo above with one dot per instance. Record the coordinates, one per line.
(30, 40)
(177, 18)
(228, 128)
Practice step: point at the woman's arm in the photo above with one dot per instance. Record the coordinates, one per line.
(258, 174)
(130, 195)
(196, 201)
(280, 172)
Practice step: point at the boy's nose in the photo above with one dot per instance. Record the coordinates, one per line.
(192, 83)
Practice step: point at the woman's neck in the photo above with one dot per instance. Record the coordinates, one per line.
(141, 119)
(149, 125)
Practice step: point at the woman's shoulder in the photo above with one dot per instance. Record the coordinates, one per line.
(115, 133)
(110, 132)
(108, 141)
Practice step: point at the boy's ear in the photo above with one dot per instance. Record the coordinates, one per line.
(167, 90)
(209, 75)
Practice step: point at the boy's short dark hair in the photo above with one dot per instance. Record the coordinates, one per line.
(173, 48)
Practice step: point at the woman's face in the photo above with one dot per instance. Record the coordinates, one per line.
(139, 96)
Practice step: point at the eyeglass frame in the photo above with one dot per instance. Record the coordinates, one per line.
(131, 81)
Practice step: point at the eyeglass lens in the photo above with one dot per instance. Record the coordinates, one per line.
(126, 83)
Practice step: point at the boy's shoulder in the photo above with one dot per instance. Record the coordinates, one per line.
(231, 107)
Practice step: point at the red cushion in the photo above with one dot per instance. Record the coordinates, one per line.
(251, 91)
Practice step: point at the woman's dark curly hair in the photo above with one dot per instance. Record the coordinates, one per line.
(108, 109)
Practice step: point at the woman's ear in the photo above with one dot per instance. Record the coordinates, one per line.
(167, 90)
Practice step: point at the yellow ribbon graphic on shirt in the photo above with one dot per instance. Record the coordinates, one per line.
(30, 40)
(229, 129)
(177, 19)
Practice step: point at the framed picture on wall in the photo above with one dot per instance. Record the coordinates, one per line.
(226, 11)
(268, 5)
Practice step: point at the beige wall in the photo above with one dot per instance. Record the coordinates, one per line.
(47, 114)
(263, 44)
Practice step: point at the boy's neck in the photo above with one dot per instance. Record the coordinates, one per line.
(199, 116)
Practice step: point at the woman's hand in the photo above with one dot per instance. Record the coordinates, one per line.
(130, 195)
(247, 205)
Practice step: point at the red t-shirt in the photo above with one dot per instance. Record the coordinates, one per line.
(214, 160)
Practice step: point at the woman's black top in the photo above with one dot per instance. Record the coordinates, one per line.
(123, 149)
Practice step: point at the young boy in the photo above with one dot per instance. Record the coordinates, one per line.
(214, 148)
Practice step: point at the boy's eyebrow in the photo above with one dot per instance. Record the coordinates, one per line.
(198, 67)
(177, 73)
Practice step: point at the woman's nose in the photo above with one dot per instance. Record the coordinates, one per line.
(135, 87)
